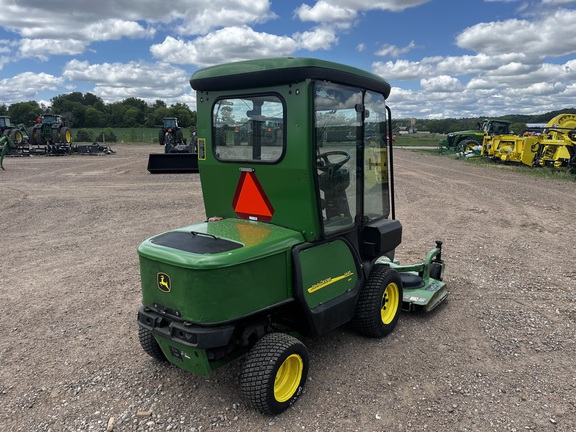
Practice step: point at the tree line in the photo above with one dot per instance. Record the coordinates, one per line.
(90, 111)
(517, 122)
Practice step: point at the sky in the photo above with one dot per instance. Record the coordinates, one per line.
(443, 58)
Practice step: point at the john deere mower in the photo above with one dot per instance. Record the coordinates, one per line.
(301, 228)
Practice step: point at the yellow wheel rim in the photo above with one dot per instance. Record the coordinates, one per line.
(67, 137)
(288, 378)
(390, 302)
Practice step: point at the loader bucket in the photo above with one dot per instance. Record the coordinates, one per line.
(173, 163)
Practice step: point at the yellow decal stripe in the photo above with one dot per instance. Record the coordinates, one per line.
(324, 283)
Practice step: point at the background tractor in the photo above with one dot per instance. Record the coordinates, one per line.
(14, 132)
(171, 137)
(301, 233)
(179, 156)
(13, 140)
(51, 135)
(469, 142)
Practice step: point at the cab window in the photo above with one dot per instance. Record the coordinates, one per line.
(249, 128)
(351, 156)
(337, 127)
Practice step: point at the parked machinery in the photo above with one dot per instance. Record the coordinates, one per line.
(50, 135)
(470, 141)
(13, 139)
(10, 130)
(555, 146)
(179, 156)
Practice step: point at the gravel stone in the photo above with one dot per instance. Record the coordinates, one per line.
(498, 355)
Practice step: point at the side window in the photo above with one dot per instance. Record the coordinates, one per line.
(249, 128)
(337, 128)
(376, 199)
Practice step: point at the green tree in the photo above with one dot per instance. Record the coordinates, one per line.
(94, 102)
(184, 115)
(94, 118)
(25, 112)
(131, 117)
(154, 119)
(85, 135)
(115, 114)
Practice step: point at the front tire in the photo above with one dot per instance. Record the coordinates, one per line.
(17, 136)
(379, 303)
(274, 373)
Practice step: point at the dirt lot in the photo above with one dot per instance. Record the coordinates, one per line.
(499, 355)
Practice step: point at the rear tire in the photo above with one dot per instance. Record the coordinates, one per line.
(274, 373)
(379, 303)
(37, 136)
(55, 136)
(65, 135)
(179, 136)
(30, 133)
(149, 345)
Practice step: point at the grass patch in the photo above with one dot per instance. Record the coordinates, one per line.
(130, 135)
(418, 140)
(562, 174)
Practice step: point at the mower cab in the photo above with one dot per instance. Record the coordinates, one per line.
(296, 172)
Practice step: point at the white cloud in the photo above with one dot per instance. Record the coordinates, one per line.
(343, 14)
(324, 12)
(549, 35)
(200, 17)
(404, 70)
(113, 19)
(115, 29)
(229, 44)
(441, 84)
(317, 39)
(43, 48)
(27, 85)
(394, 51)
(113, 81)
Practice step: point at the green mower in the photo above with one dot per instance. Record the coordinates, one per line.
(297, 179)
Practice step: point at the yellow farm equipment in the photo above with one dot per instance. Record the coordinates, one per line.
(555, 146)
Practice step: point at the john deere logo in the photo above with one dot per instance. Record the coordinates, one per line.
(163, 282)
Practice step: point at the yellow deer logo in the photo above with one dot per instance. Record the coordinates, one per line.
(163, 282)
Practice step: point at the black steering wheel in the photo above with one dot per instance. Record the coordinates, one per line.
(324, 164)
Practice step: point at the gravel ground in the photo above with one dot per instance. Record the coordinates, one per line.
(498, 355)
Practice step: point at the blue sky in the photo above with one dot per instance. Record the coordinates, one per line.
(444, 58)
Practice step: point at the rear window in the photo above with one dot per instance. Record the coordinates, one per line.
(249, 128)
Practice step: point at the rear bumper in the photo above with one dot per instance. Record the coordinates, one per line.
(174, 329)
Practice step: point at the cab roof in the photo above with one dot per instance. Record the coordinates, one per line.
(283, 70)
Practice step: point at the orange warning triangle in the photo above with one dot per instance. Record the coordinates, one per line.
(250, 200)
